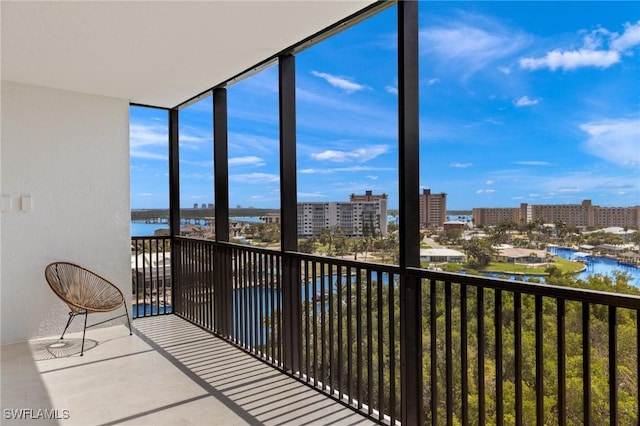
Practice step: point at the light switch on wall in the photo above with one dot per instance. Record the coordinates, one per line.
(6, 203)
(26, 204)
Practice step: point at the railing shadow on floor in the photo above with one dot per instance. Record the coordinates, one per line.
(258, 393)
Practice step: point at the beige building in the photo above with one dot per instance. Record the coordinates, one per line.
(369, 196)
(616, 216)
(433, 209)
(271, 217)
(584, 214)
(496, 215)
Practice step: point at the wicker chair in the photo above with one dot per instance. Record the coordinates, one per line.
(84, 292)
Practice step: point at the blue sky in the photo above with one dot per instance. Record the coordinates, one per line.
(519, 102)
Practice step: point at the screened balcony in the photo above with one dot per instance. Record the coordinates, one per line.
(330, 341)
(343, 334)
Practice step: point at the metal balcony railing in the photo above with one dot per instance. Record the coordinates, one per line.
(150, 276)
(492, 351)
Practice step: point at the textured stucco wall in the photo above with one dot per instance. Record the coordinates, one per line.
(70, 153)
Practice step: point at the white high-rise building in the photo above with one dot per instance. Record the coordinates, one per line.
(363, 215)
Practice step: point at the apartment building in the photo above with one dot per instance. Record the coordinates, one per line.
(271, 217)
(605, 217)
(433, 209)
(364, 214)
(494, 216)
(584, 214)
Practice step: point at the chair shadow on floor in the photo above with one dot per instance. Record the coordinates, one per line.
(46, 349)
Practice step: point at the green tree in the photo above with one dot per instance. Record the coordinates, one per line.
(453, 235)
(308, 245)
(264, 232)
(479, 251)
(326, 239)
(340, 241)
(389, 247)
(500, 233)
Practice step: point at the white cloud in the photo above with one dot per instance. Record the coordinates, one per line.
(372, 177)
(485, 191)
(196, 176)
(630, 38)
(251, 143)
(569, 185)
(354, 169)
(148, 141)
(532, 163)
(460, 165)
(246, 161)
(504, 70)
(466, 47)
(141, 135)
(330, 155)
(433, 81)
(137, 153)
(489, 182)
(311, 195)
(616, 140)
(601, 48)
(391, 89)
(258, 178)
(571, 60)
(375, 121)
(364, 169)
(615, 185)
(202, 164)
(342, 83)
(360, 155)
(568, 190)
(525, 101)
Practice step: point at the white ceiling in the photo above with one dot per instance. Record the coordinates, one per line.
(157, 53)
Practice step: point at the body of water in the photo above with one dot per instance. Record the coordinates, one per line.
(141, 229)
(252, 219)
(460, 218)
(599, 265)
(147, 309)
(594, 265)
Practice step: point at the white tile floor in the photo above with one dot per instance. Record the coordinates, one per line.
(168, 373)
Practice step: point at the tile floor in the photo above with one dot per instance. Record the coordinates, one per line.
(168, 373)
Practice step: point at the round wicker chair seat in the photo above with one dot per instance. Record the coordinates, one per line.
(81, 289)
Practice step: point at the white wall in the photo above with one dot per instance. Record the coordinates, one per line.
(70, 153)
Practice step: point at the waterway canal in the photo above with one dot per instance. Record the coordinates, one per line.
(599, 265)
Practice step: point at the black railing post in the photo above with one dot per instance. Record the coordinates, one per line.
(291, 314)
(613, 366)
(222, 272)
(174, 207)
(409, 177)
(221, 164)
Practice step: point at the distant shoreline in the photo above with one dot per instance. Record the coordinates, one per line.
(142, 214)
